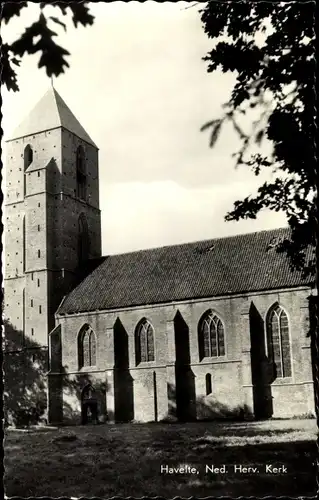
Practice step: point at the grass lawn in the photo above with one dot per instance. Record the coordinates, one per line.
(125, 460)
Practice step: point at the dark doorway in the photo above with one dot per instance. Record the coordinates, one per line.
(185, 379)
(123, 381)
(261, 368)
(89, 405)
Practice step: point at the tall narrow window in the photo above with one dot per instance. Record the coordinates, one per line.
(208, 380)
(81, 179)
(23, 315)
(86, 347)
(28, 159)
(211, 336)
(23, 245)
(144, 342)
(278, 343)
(83, 240)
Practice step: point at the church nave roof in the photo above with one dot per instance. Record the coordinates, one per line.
(218, 267)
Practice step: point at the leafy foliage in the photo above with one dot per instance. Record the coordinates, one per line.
(24, 367)
(270, 46)
(39, 38)
(25, 382)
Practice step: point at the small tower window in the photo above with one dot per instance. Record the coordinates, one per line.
(27, 156)
(81, 179)
(208, 380)
(39, 253)
(27, 159)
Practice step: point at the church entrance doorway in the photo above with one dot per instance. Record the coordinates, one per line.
(184, 377)
(89, 405)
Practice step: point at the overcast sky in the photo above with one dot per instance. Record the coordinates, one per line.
(138, 85)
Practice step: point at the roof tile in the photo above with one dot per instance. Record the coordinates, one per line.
(236, 264)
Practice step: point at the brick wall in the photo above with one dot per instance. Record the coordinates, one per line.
(41, 227)
(41, 246)
(154, 390)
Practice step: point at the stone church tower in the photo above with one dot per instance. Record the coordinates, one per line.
(52, 217)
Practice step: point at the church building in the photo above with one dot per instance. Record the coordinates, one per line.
(204, 330)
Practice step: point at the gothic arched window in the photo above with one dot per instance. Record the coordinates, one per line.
(27, 159)
(83, 240)
(278, 343)
(86, 347)
(211, 336)
(144, 342)
(80, 174)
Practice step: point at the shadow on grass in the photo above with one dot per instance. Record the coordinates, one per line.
(116, 455)
(296, 460)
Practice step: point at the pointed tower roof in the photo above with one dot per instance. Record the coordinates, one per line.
(49, 113)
